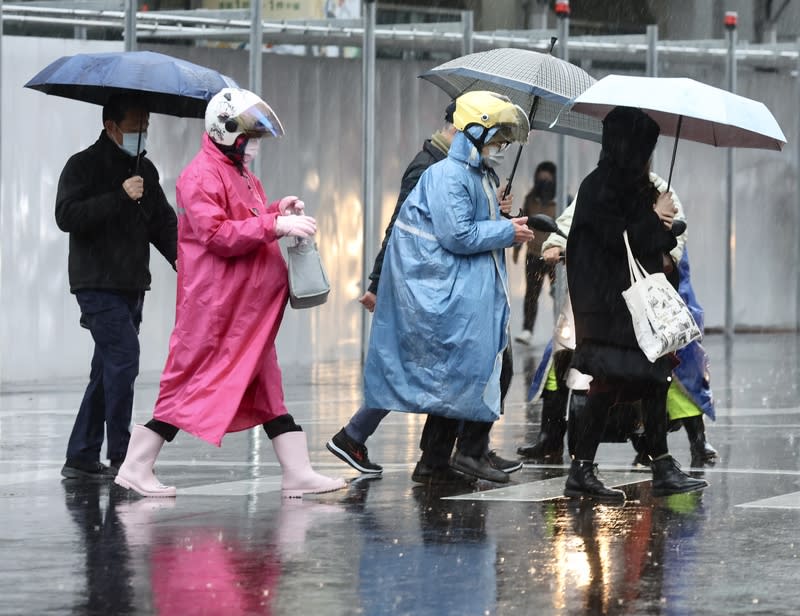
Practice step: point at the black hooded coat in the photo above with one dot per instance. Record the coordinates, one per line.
(615, 197)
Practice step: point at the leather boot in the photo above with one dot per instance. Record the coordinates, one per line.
(136, 472)
(668, 478)
(582, 482)
(291, 449)
(480, 467)
(549, 445)
(702, 452)
(578, 401)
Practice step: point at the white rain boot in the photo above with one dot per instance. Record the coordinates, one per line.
(291, 449)
(136, 472)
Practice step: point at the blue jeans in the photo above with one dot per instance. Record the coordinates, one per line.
(113, 320)
(364, 423)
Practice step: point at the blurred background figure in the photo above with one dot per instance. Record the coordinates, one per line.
(540, 200)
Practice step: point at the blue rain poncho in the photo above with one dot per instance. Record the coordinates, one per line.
(441, 317)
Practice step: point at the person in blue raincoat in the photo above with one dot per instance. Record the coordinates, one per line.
(441, 319)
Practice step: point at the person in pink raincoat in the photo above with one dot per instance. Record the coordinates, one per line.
(222, 372)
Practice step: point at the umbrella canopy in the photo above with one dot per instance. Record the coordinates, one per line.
(523, 75)
(688, 109)
(167, 85)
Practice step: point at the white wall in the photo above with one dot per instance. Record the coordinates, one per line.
(319, 102)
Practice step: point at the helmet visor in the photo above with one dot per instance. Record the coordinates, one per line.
(259, 121)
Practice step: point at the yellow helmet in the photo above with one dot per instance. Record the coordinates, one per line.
(491, 110)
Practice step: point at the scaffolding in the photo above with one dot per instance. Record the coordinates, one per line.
(639, 53)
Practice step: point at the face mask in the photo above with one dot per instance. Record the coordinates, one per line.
(546, 189)
(495, 157)
(130, 143)
(251, 150)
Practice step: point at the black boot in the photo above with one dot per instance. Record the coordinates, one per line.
(549, 445)
(668, 478)
(582, 482)
(480, 468)
(702, 452)
(578, 400)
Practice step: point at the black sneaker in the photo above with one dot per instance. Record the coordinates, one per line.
(355, 454)
(501, 464)
(75, 469)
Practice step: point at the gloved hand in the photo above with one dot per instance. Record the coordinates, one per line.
(297, 226)
(291, 205)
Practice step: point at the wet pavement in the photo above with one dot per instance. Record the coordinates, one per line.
(229, 545)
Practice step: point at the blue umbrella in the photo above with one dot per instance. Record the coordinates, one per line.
(165, 84)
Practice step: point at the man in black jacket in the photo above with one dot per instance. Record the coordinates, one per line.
(110, 202)
(439, 433)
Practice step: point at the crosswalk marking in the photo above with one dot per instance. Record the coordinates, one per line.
(547, 489)
(784, 501)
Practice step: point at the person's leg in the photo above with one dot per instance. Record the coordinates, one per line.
(136, 472)
(683, 411)
(291, 449)
(348, 443)
(363, 423)
(667, 476)
(86, 438)
(121, 367)
(702, 452)
(471, 458)
(588, 421)
(535, 272)
(437, 441)
(549, 445)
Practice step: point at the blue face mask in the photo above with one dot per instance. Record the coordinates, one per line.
(130, 143)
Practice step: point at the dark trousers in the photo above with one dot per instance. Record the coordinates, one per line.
(113, 320)
(591, 419)
(535, 272)
(439, 434)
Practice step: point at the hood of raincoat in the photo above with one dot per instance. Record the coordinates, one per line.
(629, 138)
(463, 150)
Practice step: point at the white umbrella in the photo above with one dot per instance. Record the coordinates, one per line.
(687, 108)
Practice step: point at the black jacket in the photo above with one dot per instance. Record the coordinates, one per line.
(110, 234)
(597, 263)
(428, 155)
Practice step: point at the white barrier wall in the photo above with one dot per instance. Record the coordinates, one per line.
(319, 103)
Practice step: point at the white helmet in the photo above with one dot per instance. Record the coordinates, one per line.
(233, 111)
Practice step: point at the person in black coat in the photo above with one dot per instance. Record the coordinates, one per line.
(110, 202)
(619, 196)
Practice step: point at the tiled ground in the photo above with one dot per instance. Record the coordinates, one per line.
(229, 545)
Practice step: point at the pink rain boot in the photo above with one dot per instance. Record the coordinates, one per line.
(136, 472)
(299, 478)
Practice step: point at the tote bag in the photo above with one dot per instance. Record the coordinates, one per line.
(308, 282)
(661, 320)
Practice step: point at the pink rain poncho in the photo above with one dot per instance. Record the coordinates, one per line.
(222, 371)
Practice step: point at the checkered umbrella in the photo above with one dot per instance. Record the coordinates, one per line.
(527, 78)
(538, 82)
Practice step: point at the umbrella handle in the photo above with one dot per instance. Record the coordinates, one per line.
(531, 115)
(674, 149)
(507, 191)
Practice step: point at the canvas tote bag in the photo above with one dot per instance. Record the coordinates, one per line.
(661, 320)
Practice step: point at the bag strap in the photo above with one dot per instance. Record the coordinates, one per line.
(635, 268)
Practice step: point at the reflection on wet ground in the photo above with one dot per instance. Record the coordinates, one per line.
(229, 545)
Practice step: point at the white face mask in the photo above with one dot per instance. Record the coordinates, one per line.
(131, 145)
(494, 156)
(251, 150)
